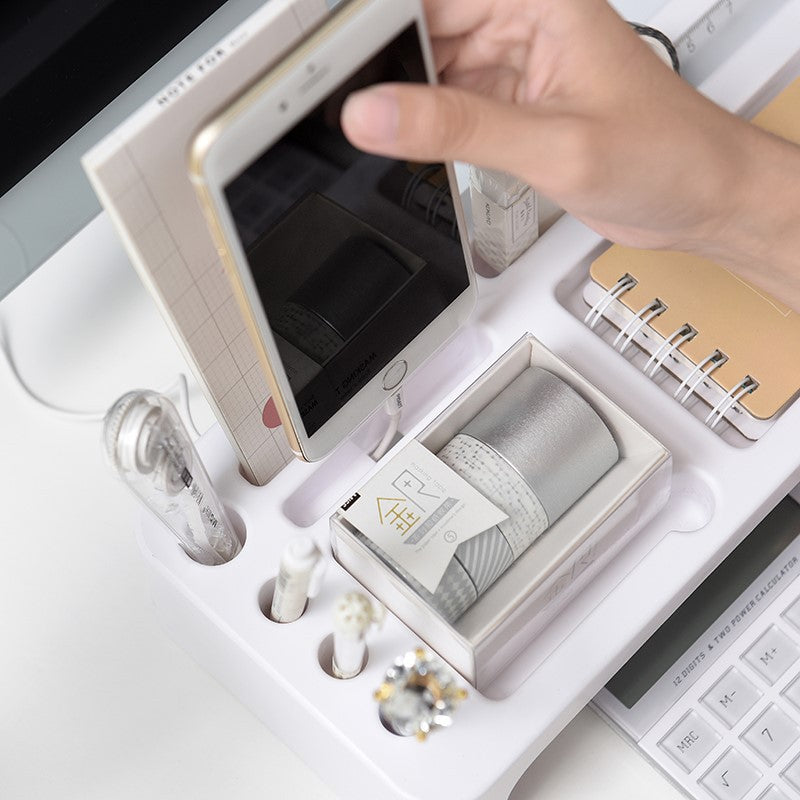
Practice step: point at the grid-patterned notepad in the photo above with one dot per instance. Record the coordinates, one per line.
(140, 175)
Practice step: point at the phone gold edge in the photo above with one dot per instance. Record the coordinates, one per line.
(201, 145)
(208, 134)
(252, 326)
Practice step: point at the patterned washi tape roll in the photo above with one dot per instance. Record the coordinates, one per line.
(533, 451)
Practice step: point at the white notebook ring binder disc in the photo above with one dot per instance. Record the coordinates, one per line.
(715, 359)
(680, 335)
(624, 284)
(745, 386)
(644, 316)
(665, 354)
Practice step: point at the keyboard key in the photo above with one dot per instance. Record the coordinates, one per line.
(772, 734)
(732, 777)
(773, 793)
(792, 692)
(731, 697)
(792, 773)
(772, 654)
(793, 614)
(690, 741)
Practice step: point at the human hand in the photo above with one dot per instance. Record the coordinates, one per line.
(566, 96)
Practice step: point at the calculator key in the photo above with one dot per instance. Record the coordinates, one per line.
(792, 692)
(772, 734)
(773, 793)
(731, 697)
(732, 777)
(772, 654)
(793, 614)
(690, 741)
(792, 773)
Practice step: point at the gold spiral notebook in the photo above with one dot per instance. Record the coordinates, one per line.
(727, 341)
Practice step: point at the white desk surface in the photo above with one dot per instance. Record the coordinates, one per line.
(95, 700)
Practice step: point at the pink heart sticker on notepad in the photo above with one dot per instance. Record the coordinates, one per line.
(270, 416)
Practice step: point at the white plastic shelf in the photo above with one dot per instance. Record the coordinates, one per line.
(720, 491)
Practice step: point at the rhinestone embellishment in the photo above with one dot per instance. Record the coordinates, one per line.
(418, 693)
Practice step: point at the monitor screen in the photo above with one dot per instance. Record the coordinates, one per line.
(71, 71)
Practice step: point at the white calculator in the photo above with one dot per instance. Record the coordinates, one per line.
(713, 697)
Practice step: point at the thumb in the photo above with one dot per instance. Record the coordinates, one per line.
(442, 123)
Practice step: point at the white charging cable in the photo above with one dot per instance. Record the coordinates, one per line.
(394, 408)
(177, 391)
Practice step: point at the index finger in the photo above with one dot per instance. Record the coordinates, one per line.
(450, 18)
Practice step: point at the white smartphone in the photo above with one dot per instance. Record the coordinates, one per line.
(350, 268)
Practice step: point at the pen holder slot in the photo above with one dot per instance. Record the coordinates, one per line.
(265, 602)
(239, 529)
(325, 658)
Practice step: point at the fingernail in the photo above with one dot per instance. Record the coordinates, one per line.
(372, 114)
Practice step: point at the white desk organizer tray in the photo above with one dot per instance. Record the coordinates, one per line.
(720, 491)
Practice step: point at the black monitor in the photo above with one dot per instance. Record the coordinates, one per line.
(70, 72)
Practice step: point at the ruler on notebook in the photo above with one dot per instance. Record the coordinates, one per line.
(705, 35)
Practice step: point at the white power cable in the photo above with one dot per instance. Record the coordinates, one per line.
(177, 391)
(394, 408)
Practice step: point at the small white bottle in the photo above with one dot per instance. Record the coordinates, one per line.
(299, 578)
(353, 616)
(505, 217)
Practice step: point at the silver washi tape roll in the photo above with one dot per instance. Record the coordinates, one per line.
(544, 429)
(533, 451)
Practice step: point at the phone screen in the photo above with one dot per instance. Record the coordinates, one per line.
(352, 255)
